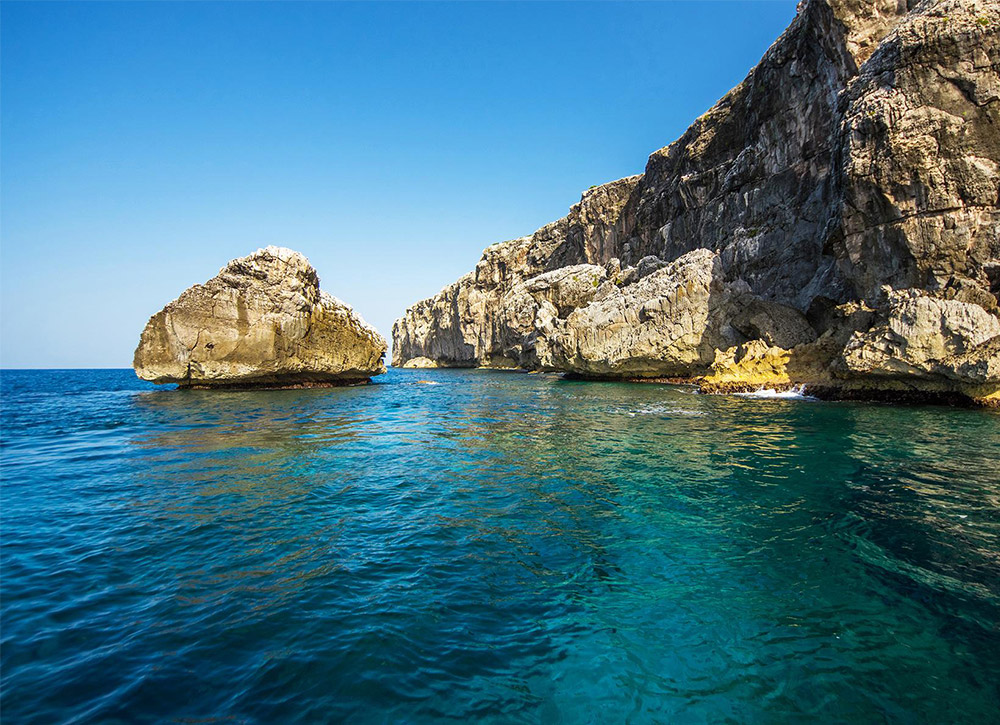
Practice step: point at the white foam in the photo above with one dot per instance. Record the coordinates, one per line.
(796, 392)
(660, 409)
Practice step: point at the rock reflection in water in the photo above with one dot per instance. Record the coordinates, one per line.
(494, 547)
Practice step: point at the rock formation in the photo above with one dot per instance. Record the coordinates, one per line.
(833, 221)
(262, 321)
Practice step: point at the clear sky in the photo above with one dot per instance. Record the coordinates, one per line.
(143, 145)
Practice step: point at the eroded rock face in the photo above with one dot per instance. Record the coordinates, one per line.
(863, 152)
(920, 150)
(663, 323)
(924, 336)
(262, 321)
(486, 317)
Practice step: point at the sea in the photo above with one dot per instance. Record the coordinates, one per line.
(471, 546)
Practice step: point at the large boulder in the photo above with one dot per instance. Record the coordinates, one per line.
(926, 337)
(262, 321)
(659, 325)
(662, 319)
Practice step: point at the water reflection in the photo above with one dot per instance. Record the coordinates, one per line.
(501, 547)
(228, 473)
(784, 504)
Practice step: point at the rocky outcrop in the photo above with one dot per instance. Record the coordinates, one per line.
(487, 317)
(850, 183)
(920, 158)
(927, 342)
(262, 321)
(663, 320)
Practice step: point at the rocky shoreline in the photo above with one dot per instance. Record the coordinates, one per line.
(832, 222)
(280, 384)
(900, 394)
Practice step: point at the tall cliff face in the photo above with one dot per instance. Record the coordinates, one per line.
(858, 160)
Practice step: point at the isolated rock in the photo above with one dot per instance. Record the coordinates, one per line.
(862, 152)
(262, 321)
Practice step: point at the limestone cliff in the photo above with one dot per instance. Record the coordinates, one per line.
(262, 321)
(851, 182)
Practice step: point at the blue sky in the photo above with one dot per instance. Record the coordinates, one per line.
(143, 145)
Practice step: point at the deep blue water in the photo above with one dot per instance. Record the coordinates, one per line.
(492, 547)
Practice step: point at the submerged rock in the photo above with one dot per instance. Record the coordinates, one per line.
(262, 321)
(856, 167)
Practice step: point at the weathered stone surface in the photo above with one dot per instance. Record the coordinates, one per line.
(979, 365)
(862, 152)
(420, 362)
(486, 317)
(661, 324)
(763, 363)
(920, 152)
(925, 337)
(262, 321)
(666, 320)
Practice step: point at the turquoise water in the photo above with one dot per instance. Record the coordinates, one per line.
(492, 547)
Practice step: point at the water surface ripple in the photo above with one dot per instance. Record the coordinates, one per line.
(492, 547)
